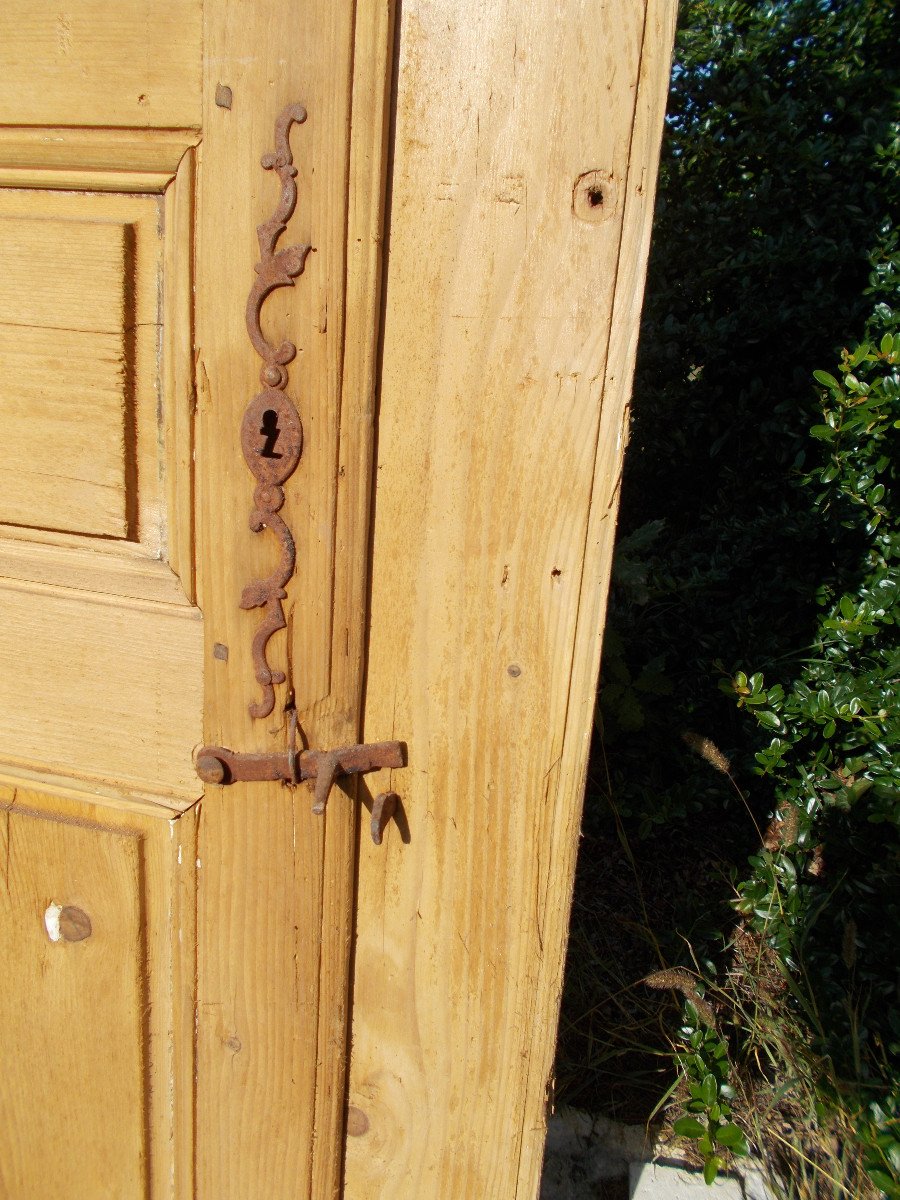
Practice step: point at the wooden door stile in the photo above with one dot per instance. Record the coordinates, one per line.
(276, 882)
(527, 139)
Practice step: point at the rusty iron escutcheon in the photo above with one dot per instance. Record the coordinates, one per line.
(271, 432)
(272, 442)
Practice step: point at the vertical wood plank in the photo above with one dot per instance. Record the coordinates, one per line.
(180, 1048)
(525, 154)
(562, 836)
(275, 882)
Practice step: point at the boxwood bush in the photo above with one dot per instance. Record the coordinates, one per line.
(826, 895)
(759, 553)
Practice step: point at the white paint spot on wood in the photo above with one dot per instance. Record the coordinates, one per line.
(51, 922)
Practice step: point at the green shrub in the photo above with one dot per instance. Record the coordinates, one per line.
(757, 553)
(704, 1061)
(827, 898)
(778, 168)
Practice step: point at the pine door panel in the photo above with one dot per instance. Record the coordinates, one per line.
(95, 906)
(81, 279)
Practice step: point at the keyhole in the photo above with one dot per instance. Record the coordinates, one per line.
(270, 431)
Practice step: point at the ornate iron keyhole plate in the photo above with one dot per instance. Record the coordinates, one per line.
(271, 432)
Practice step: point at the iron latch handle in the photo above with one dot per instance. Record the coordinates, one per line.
(216, 764)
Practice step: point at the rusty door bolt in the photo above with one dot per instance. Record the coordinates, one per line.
(217, 765)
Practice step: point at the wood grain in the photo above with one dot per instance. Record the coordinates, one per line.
(63, 410)
(177, 390)
(365, 188)
(105, 567)
(101, 651)
(66, 365)
(134, 63)
(63, 274)
(78, 656)
(276, 883)
(154, 325)
(88, 268)
(91, 263)
(563, 835)
(74, 1007)
(524, 139)
(109, 1018)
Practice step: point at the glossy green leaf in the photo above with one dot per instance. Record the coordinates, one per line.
(689, 1127)
(729, 1135)
(826, 380)
(709, 1089)
(768, 718)
(824, 433)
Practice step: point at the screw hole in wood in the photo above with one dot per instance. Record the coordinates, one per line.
(593, 196)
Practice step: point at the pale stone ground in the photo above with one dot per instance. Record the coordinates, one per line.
(593, 1158)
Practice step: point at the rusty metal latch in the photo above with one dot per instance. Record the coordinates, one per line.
(272, 443)
(217, 765)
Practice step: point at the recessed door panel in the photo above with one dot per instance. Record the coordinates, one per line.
(80, 282)
(66, 373)
(87, 1024)
(101, 646)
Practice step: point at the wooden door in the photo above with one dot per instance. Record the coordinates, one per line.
(173, 1009)
(174, 1005)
